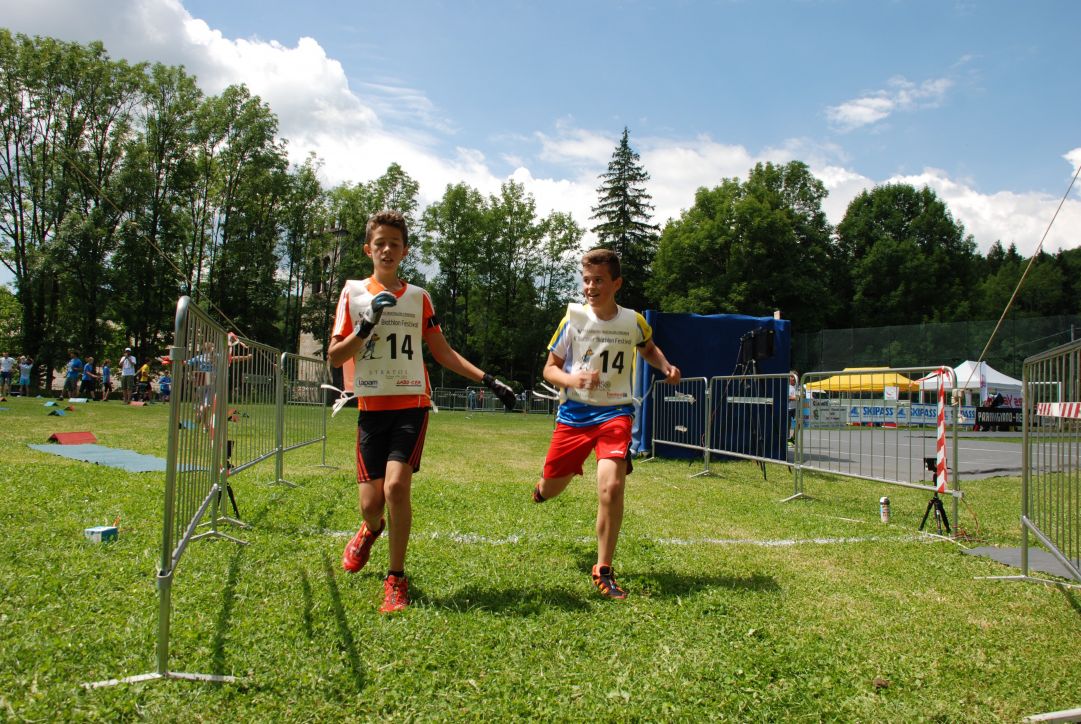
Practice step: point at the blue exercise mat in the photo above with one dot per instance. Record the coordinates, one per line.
(128, 460)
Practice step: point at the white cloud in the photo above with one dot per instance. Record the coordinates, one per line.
(358, 132)
(900, 95)
(1006, 216)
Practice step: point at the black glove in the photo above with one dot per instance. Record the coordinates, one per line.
(500, 390)
(371, 315)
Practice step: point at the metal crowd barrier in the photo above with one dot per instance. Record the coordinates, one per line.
(679, 417)
(1051, 458)
(235, 402)
(301, 407)
(195, 473)
(254, 379)
(749, 417)
(847, 428)
(481, 399)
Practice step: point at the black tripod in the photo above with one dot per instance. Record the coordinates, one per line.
(746, 365)
(228, 469)
(935, 503)
(940, 514)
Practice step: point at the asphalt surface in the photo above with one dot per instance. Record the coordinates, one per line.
(892, 454)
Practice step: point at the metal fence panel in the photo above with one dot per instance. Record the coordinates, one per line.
(1051, 469)
(195, 471)
(679, 416)
(749, 417)
(252, 414)
(301, 408)
(857, 423)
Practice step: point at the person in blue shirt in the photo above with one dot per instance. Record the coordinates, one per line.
(74, 371)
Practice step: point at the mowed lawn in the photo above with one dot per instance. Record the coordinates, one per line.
(741, 607)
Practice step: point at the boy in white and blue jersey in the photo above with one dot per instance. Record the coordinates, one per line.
(592, 357)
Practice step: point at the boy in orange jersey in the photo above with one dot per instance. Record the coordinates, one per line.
(380, 324)
(592, 357)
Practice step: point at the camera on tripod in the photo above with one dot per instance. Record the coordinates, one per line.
(756, 345)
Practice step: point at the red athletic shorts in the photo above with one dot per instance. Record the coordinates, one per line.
(571, 446)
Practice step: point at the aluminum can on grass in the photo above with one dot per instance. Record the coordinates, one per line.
(884, 509)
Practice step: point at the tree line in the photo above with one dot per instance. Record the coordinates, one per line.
(124, 186)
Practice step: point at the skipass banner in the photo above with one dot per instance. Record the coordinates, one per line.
(885, 412)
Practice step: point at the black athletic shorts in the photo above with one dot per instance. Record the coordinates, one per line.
(384, 435)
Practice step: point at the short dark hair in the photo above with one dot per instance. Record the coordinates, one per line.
(597, 257)
(386, 217)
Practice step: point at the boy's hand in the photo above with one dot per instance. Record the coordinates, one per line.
(586, 379)
(371, 315)
(504, 393)
(672, 375)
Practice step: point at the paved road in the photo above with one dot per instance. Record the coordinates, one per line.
(892, 454)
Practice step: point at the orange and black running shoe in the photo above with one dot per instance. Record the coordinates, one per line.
(395, 594)
(604, 578)
(355, 555)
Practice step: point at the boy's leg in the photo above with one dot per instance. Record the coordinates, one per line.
(551, 487)
(397, 488)
(611, 483)
(372, 502)
(569, 448)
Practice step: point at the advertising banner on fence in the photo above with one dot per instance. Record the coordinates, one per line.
(833, 413)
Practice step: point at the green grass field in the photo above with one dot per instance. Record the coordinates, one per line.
(741, 607)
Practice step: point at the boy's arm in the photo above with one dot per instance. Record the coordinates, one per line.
(448, 357)
(583, 379)
(652, 354)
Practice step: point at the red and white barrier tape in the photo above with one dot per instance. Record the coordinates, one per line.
(1071, 410)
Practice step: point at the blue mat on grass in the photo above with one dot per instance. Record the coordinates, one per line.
(128, 460)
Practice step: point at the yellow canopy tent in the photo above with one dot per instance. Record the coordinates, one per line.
(865, 379)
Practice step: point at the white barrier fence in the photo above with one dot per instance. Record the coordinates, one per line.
(235, 403)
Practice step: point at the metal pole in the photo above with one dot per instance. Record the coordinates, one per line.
(279, 421)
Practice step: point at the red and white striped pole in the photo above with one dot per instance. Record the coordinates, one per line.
(941, 476)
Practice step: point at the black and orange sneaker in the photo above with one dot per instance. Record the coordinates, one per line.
(604, 578)
(537, 497)
(395, 594)
(356, 553)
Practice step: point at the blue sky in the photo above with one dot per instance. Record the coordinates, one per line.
(978, 100)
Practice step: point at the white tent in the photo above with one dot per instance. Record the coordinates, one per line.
(971, 377)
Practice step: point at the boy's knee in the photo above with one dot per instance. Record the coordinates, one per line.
(612, 488)
(396, 490)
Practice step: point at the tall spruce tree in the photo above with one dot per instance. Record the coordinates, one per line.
(624, 216)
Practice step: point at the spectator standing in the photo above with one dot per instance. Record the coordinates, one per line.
(26, 365)
(71, 378)
(165, 386)
(7, 367)
(89, 379)
(106, 379)
(127, 374)
(142, 389)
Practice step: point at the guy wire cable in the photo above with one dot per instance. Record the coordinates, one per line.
(1021, 281)
(180, 275)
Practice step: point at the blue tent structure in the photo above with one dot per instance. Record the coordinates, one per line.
(709, 345)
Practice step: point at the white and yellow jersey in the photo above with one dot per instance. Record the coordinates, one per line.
(610, 346)
(388, 371)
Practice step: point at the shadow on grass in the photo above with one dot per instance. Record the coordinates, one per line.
(228, 599)
(1070, 598)
(674, 584)
(306, 616)
(678, 584)
(518, 601)
(347, 644)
